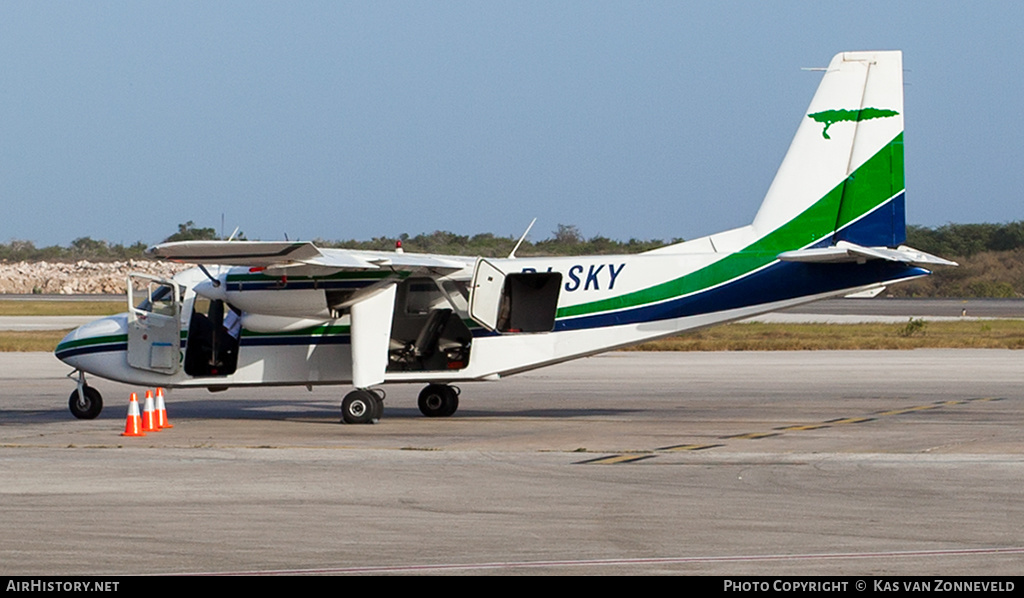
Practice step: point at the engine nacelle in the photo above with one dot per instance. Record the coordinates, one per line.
(266, 323)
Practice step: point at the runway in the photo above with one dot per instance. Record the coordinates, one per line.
(854, 463)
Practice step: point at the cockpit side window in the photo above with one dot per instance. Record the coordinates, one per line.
(158, 298)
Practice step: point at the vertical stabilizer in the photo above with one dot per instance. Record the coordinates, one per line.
(842, 178)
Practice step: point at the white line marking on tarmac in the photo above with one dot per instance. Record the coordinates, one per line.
(440, 567)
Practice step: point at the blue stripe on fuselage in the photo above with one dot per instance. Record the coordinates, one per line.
(780, 281)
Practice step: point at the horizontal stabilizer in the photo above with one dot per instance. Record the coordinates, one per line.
(844, 251)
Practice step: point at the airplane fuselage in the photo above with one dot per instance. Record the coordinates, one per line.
(603, 302)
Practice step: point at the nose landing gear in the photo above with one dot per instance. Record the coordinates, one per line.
(85, 404)
(85, 401)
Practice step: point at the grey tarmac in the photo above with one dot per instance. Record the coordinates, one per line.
(852, 463)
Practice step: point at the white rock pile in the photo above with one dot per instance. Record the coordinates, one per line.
(55, 278)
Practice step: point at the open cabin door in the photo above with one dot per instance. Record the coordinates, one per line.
(515, 302)
(154, 323)
(486, 293)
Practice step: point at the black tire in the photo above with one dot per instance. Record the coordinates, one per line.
(90, 405)
(361, 407)
(438, 400)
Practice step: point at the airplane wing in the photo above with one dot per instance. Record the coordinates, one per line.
(270, 254)
(844, 251)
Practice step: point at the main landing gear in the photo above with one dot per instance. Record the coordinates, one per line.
(362, 406)
(366, 406)
(439, 400)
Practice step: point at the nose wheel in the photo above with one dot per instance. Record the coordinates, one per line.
(86, 405)
(439, 400)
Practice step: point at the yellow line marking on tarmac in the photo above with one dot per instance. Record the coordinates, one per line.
(850, 420)
(908, 410)
(687, 447)
(614, 459)
(633, 458)
(753, 435)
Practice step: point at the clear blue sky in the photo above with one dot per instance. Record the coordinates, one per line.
(337, 120)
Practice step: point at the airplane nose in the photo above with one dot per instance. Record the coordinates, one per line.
(66, 348)
(99, 335)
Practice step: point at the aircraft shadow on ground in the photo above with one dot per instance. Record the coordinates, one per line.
(298, 410)
(290, 410)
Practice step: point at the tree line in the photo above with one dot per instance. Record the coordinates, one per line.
(965, 240)
(991, 256)
(948, 240)
(565, 240)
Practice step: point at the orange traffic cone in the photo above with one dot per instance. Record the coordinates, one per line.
(161, 410)
(133, 426)
(149, 414)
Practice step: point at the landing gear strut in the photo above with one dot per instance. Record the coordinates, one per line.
(439, 400)
(362, 406)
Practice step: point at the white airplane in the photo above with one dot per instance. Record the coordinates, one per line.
(287, 313)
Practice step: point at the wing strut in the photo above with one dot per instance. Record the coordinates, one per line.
(371, 334)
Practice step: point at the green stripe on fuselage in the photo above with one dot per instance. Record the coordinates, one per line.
(92, 340)
(875, 182)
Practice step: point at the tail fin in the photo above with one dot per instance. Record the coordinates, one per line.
(842, 178)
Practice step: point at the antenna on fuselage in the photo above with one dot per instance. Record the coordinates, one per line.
(512, 255)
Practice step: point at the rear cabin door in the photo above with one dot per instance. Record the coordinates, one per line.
(154, 323)
(516, 302)
(485, 298)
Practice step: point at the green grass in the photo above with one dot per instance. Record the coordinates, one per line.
(30, 340)
(61, 308)
(913, 334)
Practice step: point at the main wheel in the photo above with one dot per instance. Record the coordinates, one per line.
(87, 406)
(361, 407)
(438, 400)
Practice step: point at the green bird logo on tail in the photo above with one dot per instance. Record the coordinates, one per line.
(830, 117)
